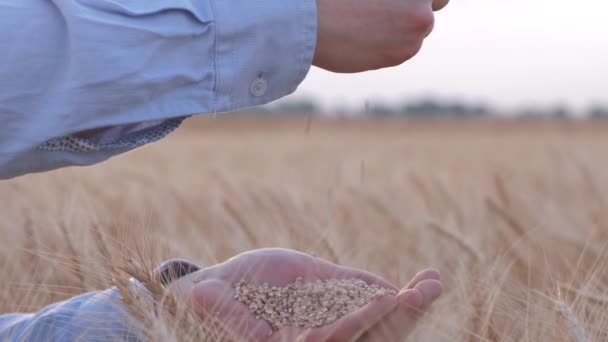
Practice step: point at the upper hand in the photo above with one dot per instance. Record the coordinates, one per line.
(356, 36)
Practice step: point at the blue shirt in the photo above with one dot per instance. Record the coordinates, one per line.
(93, 316)
(130, 70)
(84, 80)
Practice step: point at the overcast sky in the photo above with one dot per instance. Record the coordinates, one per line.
(511, 53)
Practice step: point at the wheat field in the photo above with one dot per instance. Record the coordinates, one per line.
(514, 215)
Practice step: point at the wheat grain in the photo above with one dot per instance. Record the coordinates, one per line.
(306, 304)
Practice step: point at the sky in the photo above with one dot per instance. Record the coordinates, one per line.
(508, 53)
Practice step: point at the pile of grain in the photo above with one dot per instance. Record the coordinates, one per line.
(306, 305)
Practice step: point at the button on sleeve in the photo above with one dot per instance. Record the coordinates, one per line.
(263, 51)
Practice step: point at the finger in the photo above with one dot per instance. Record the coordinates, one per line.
(439, 4)
(409, 300)
(413, 303)
(351, 326)
(430, 289)
(424, 275)
(400, 322)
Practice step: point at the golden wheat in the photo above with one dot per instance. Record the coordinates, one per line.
(509, 212)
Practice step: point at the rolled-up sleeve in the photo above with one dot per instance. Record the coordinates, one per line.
(71, 66)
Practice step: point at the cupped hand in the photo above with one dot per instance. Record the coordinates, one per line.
(211, 292)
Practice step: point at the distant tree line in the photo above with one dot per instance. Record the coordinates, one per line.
(426, 108)
(599, 112)
(297, 107)
(562, 111)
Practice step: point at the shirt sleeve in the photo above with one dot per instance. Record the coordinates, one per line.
(103, 65)
(93, 316)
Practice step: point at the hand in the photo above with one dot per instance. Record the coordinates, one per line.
(413, 301)
(211, 291)
(356, 35)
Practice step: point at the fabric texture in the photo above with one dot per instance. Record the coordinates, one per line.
(81, 65)
(113, 138)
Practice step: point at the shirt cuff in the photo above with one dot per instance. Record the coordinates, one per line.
(263, 49)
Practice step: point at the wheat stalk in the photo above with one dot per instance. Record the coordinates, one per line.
(574, 327)
(462, 243)
(74, 257)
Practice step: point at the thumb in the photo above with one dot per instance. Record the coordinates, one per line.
(439, 4)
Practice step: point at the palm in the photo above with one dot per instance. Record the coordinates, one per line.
(213, 294)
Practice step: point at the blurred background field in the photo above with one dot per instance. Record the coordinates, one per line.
(513, 212)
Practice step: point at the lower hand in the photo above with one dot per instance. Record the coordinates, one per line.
(390, 317)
